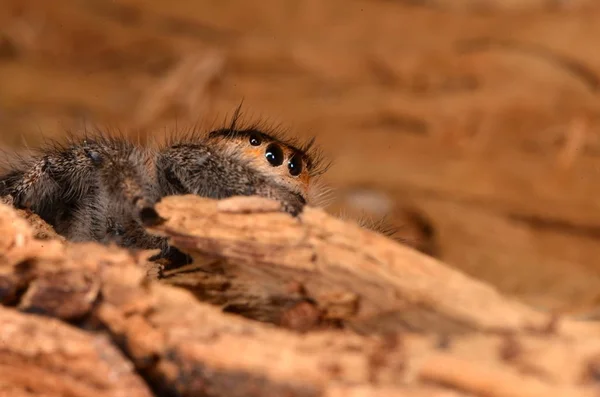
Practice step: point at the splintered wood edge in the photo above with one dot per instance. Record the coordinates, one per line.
(190, 347)
(385, 276)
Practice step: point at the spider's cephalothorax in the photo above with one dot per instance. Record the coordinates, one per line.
(104, 189)
(245, 162)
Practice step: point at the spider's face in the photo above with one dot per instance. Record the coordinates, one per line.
(287, 165)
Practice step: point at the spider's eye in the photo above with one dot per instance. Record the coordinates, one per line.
(94, 156)
(274, 155)
(295, 165)
(255, 140)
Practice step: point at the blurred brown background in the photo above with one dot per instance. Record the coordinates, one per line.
(473, 124)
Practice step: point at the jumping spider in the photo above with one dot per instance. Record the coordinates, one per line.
(104, 189)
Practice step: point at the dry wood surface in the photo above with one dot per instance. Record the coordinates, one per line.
(327, 309)
(472, 125)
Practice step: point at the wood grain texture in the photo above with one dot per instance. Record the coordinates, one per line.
(353, 274)
(134, 335)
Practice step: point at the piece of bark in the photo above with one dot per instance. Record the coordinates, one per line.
(184, 347)
(493, 382)
(41, 229)
(188, 348)
(356, 276)
(15, 229)
(41, 356)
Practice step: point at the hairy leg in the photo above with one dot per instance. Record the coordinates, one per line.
(122, 199)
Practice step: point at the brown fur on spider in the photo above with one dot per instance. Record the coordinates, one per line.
(103, 189)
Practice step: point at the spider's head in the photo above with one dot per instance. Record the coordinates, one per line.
(292, 166)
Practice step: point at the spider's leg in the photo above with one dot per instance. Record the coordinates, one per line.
(124, 200)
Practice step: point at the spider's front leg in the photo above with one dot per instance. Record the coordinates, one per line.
(123, 200)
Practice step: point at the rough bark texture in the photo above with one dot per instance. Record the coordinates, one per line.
(88, 320)
(352, 274)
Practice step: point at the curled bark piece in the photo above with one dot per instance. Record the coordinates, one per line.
(354, 275)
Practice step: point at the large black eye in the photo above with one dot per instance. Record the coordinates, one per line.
(94, 156)
(274, 155)
(295, 165)
(255, 140)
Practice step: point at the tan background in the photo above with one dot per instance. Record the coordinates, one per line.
(473, 125)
